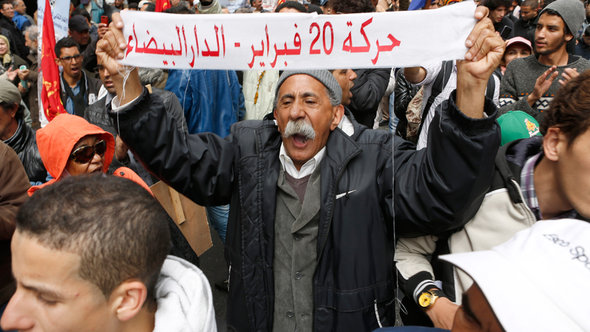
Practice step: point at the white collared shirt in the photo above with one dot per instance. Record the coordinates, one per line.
(306, 169)
(310, 166)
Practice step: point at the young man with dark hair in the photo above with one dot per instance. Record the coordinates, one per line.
(536, 178)
(525, 25)
(498, 10)
(529, 84)
(79, 30)
(78, 89)
(89, 253)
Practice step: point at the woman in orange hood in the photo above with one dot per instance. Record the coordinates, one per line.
(69, 146)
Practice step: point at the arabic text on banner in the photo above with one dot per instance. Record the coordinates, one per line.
(297, 41)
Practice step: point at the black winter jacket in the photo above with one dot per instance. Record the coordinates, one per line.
(24, 143)
(15, 37)
(355, 272)
(367, 92)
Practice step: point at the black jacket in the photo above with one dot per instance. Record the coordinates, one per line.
(525, 29)
(16, 38)
(24, 143)
(355, 273)
(367, 92)
(505, 28)
(404, 93)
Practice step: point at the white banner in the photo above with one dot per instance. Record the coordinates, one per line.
(297, 41)
(61, 12)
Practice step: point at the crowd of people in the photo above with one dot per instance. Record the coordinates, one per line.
(424, 198)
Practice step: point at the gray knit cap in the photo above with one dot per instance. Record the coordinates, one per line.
(8, 92)
(571, 11)
(324, 76)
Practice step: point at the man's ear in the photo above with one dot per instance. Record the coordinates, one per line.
(553, 141)
(568, 37)
(128, 298)
(274, 113)
(338, 114)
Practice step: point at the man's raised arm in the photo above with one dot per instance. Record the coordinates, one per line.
(485, 52)
(440, 188)
(198, 166)
(110, 49)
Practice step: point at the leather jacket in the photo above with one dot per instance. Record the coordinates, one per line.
(23, 142)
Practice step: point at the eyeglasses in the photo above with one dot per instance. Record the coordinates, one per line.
(71, 57)
(84, 154)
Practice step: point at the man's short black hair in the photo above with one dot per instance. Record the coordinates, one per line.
(570, 109)
(181, 8)
(534, 4)
(493, 4)
(291, 4)
(312, 8)
(116, 227)
(353, 6)
(65, 42)
(5, 2)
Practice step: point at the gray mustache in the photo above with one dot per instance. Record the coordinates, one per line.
(300, 127)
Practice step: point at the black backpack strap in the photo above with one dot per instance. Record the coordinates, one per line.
(507, 177)
(491, 88)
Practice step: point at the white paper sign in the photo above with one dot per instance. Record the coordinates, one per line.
(297, 41)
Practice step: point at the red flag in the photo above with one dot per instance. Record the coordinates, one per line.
(50, 94)
(162, 5)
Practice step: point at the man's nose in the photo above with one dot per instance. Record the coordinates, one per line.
(297, 110)
(15, 315)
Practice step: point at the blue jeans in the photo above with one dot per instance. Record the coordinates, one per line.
(218, 216)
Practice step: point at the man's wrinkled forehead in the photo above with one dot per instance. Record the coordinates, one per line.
(300, 83)
(323, 77)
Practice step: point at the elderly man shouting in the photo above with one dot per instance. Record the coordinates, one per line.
(311, 234)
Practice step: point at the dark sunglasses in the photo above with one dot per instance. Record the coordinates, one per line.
(84, 154)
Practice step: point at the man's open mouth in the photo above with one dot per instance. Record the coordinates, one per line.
(299, 139)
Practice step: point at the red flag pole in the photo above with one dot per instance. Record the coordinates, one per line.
(50, 93)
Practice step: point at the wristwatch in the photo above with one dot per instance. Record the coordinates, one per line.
(428, 297)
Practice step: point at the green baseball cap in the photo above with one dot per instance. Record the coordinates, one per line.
(516, 125)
